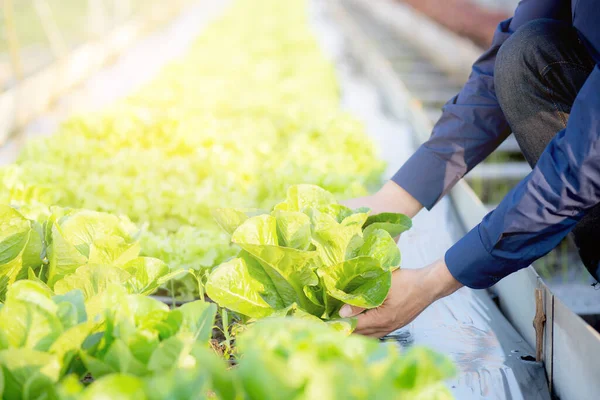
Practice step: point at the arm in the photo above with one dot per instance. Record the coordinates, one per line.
(531, 220)
(390, 198)
(539, 212)
(472, 124)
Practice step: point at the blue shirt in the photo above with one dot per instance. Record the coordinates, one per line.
(542, 209)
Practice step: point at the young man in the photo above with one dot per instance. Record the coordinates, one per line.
(541, 80)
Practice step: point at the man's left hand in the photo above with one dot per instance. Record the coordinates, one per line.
(412, 291)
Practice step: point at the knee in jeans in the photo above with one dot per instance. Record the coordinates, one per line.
(523, 57)
(526, 53)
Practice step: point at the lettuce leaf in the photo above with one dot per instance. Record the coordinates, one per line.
(20, 247)
(361, 282)
(243, 286)
(79, 237)
(394, 224)
(28, 373)
(29, 318)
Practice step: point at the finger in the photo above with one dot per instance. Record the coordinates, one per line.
(369, 321)
(350, 311)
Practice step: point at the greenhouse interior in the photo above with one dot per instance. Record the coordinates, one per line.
(299, 199)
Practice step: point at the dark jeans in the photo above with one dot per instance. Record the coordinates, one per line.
(539, 71)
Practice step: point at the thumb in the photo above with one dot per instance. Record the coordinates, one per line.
(350, 311)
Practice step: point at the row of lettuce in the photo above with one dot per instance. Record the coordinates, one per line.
(50, 344)
(76, 309)
(133, 200)
(309, 253)
(252, 107)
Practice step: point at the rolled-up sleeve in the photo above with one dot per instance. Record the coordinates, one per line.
(543, 208)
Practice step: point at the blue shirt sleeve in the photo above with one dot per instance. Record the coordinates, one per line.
(472, 124)
(541, 210)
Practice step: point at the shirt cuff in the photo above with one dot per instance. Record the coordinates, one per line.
(423, 176)
(471, 264)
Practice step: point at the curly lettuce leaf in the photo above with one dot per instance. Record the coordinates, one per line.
(28, 373)
(243, 286)
(361, 282)
(30, 318)
(20, 247)
(378, 244)
(79, 237)
(148, 274)
(293, 229)
(92, 279)
(334, 239)
(393, 223)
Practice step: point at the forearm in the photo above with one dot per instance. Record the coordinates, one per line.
(398, 200)
(438, 282)
(543, 208)
(390, 198)
(472, 124)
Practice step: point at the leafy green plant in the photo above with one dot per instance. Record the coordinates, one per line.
(309, 251)
(287, 358)
(70, 249)
(295, 358)
(21, 247)
(45, 337)
(138, 348)
(207, 380)
(142, 336)
(209, 131)
(40, 336)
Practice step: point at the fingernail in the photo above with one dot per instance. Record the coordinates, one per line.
(345, 311)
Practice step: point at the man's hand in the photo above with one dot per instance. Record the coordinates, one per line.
(412, 291)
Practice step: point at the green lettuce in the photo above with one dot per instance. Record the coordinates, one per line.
(282, 358)
(45, 337)
(79, 237)
(41, 335)
(309, 252)
(28, 373)
(68, 249)
(208, 378)
(32, 317)
(302, 359)
(20, 247)
(143, 336)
